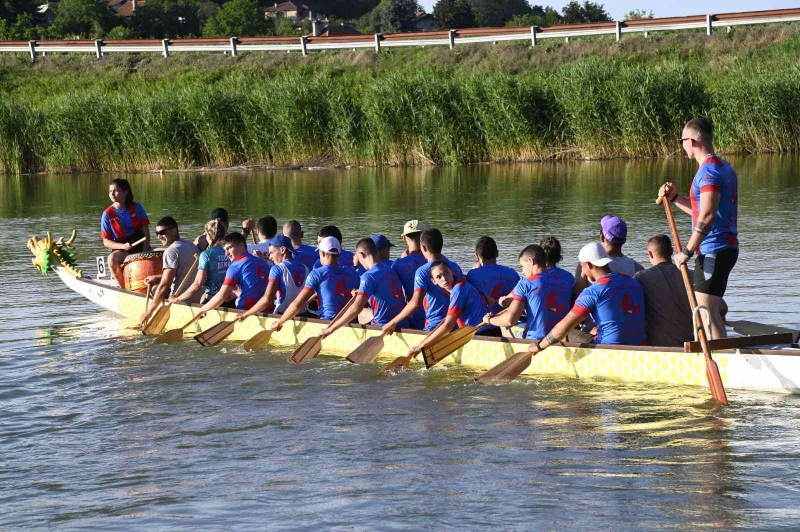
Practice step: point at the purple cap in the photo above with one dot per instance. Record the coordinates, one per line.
(381, 241)
(281, 241)
(614, 229)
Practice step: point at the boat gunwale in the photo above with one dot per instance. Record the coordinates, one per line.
(520, 341)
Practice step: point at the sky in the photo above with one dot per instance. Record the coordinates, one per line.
(674, 8)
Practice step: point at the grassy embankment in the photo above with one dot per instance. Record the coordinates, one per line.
(586, 99)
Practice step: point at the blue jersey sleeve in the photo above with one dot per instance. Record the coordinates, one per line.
(521, 290)
(421, 279)
(367, 285)
(233, 276)
(205, 261)
(586, 302)
(275, 274)
(457, 300)
(105, 227)
(312, 281)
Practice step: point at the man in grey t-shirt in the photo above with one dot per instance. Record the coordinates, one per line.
(668, 316)
(180, 262)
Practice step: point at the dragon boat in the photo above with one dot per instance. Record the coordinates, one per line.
(767, 367)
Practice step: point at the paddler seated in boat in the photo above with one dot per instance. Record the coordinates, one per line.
(427, 294)
(248, 272)
(306, 254)
(211, 268)
(217, 214)
(333, 284)
(123, 223)
(615, 302)
(379, 288)
(346, 258)
(266, 228)
(543, 294)
(384, 247)
(613, 235)
(491, 279)
(406, 267)
(178, 263)
(286, 279)
(713, 204)
(553, 255)
(466, 306)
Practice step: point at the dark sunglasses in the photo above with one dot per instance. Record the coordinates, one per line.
(162, 232)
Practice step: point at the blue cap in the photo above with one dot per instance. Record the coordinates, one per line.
(281, 241)
(381, 241)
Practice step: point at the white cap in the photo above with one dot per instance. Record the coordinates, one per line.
(330, 245)
(594, 253)
(413, 226)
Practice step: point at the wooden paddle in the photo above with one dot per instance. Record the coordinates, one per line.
(507, 369)
(259, 340)
(402, 362)
(712, 370)
(159, 320)
(449, 344)
(311, 347)
(175, 335)
(367, 352)
(216, 334)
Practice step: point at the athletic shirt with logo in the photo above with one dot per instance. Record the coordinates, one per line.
(250, 273)
(307, 255)
(436, 301)
(405, 268)
(494, 281)
(291, 277)
(716, 175)
(547, 297)
(562, 275)
(385, 294)
(119, 224)
(467, 305)
(215, 263)
(616, 303)
(332, 285)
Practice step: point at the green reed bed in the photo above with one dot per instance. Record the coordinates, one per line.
(303, 115)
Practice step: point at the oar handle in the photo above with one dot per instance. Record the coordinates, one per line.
(188, 274)
(138, 241)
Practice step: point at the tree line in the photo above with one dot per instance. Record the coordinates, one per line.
(69, 19)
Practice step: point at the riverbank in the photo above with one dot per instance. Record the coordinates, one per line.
(591, 98)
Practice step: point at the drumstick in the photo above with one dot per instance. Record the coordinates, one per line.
(138, 241)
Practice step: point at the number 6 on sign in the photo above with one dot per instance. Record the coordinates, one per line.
(101, 267)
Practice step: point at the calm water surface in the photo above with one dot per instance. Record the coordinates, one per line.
(104, 432)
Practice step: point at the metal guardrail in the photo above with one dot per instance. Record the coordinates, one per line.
(451, 38)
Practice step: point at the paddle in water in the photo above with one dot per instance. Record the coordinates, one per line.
(403, 362)
(217, 333)
(507, 369)
(311, 347)
(175, 335)
(367, 352)
(258, 341)
(712, 370)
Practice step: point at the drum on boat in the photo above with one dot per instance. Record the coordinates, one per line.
(137, 266)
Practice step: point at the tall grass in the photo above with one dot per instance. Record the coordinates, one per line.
(300, 115)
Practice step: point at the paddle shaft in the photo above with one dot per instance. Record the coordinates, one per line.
(180, 287)
(710, 364)
(312, 346)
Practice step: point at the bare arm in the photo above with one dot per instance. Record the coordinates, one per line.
(408, 311)
(440, 331)
(709, 203)
(348, 316)
(266, 301)
(146, 233)
(298, 303)
(160, 293)
(508, 317)
(110, 244)
(197, 284)
(219, 298)
(559, 332)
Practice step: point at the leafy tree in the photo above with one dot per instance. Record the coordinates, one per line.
(397, 14)
(11, 9)
(23, 28)
(639, 14)
(167, 18)
(345, 9)
(575, 13)
(120, 32)
(285, 26)
(497, 12)
(84, 18)
(538, 16)
(240, 18)
(453, 14)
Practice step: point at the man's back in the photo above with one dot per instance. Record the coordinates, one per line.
(668, 316)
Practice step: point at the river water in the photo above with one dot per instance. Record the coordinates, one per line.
(103, 432)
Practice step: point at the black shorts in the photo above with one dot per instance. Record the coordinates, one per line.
(711, 271)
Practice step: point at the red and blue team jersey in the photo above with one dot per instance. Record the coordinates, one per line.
(716, 175)
(307, 255)
(298, 272)
(467, 305)
(382, 286)
(547, 297)
(332, 285)
(250, 273)
(405, 268)
(616, 303)
(562, 275)
(493, 281)
(119, 224)
(435, 301)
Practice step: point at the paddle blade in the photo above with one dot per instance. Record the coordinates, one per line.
(170, 337)
(715, 382)
(258, 341)
(307, 350)
(215, 334)
(507, 369)
(158, 321)
(367, 352)
(396, 365)
(445, 346)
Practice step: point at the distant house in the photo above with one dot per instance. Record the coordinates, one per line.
(291, 10)
(125, 8)
(422, 22)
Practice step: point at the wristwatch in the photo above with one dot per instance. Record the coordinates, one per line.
(688, 252)
(539, 345)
